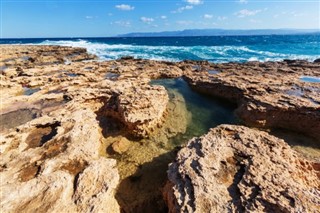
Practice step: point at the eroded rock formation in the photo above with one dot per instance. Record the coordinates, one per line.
(269, 94)
(237, 169)
(64, 119)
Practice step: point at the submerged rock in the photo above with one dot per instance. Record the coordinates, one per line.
(237, 169)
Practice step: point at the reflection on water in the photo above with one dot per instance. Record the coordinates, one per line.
(310, 79)
(29, 91)
(213, 72)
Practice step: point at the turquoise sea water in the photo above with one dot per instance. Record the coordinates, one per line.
(217, 49)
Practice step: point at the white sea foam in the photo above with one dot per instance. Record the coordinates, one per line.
(177, 53)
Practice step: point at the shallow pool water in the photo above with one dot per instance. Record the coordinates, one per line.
(213, 72)
(29, 91)
(112, 76)
(206, 112)
(143, 166)
(310, 79)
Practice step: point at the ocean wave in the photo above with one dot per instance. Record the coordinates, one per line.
(218, 54)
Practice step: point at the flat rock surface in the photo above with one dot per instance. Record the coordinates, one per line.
(237, 169)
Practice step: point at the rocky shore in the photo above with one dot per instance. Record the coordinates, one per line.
(82, 135)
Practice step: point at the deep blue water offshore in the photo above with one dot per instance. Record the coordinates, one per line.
(217, 49)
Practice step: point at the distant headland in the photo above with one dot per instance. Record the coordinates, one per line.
(221, 32)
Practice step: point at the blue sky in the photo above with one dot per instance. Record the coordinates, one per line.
(75, 18)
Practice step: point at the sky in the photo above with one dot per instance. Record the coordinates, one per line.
(101, 18)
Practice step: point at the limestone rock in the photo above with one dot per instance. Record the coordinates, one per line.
(24, 56)
(237, 169)
(52, 164)
(268, 95)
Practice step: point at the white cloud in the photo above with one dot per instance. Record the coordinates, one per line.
(194, 2)
(146, 20)
(163, 17)
(181, 9)
(207, 16)
(124, 7)
(123, 23)
(221, 18)
(245, 13)
(110, 14)
(89, 17)
(243, 1)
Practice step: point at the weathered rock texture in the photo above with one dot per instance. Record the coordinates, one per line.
(19, 56)
(52, 164)
(55, 114)
(237, 169)
(63, 118)
(269, 95)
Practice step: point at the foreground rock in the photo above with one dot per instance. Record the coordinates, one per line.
(268, 95)
(51, 163)
(237, 169)
(63, 120)
(57, 115)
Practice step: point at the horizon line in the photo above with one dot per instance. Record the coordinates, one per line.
(316, 30)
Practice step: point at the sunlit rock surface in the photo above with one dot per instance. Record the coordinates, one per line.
(237, 169)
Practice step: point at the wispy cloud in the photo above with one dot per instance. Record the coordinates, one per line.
(163, 17)
(243, 1)
(89, 17)
(207, 16)
(146, 20)
(181, 9)
(245, 13)
(122, 23)
(221, 18)
(194, 2)
(124, 7)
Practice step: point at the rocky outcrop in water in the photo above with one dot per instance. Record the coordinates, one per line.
(269, 94)
(237, 169)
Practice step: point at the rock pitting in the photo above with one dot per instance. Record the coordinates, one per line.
(269, 95)
(237, 169)
(64, 117)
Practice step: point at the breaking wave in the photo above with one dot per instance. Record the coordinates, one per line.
(218, 54)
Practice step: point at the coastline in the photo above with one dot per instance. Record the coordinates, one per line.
(68, 120)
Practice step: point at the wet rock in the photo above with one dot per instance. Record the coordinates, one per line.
(317, 60)
(237, 169)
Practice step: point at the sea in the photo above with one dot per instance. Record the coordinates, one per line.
(217, 49)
